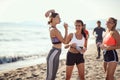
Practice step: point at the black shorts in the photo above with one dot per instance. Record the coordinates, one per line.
(110, 55)
(73, 58)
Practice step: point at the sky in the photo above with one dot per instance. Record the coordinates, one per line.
(69, 10)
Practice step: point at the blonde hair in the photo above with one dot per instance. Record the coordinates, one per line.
(115, 24)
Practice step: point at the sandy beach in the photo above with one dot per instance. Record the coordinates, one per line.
(93, 69)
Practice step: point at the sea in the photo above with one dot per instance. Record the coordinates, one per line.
(24, 45)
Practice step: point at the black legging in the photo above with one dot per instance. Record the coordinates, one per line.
(98, 47)
(98, 50)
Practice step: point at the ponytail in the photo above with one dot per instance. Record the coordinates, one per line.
(53, 15)
(84, 34)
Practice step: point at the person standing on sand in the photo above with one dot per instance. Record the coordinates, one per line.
(98, 32)
(57, 40)
(77, 43)
(111, 42)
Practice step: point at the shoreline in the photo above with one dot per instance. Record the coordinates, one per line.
(93, 69)
(29, 62)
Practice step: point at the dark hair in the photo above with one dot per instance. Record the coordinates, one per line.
(53, 15)
(84, 24)
(98, 21)
(83, 32)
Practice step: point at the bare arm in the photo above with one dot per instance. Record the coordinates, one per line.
(68, 40)
(88, 35)
(69, 37)
(66, 33)
(59, 36)
(85, 45)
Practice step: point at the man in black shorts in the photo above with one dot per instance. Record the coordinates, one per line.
(98, 33)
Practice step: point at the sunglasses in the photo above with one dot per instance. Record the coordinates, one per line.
(110, 22)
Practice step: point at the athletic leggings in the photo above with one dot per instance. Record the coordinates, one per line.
(53, 63)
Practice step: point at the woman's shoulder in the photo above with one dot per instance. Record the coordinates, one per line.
(115, 33)
(53, 30)
(71, 34)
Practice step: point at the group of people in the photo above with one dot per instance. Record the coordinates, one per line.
(77, 44)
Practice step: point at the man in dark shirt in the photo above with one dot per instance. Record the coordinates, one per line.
(98, 32)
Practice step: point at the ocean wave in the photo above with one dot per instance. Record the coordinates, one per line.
(10, 59)
(6, 59)
(7, 40)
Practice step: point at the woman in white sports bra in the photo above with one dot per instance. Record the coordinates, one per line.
(77, 43)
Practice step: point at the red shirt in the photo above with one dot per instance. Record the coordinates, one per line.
(86, 32)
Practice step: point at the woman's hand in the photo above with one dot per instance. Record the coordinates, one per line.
(83, 50)
(102, 47)
(48, 12)
(107, 47)
(65, 26)
(67, 46)
(73, 45)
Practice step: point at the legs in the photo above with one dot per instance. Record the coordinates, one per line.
(98, 50)
(110, 66)
(110, 69)
(105, 66)
(81, 71)
(69, 70)
(70, 64)
(55, 66)
(75, 59)
(52, 64)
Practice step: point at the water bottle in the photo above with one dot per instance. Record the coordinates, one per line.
(79, 49)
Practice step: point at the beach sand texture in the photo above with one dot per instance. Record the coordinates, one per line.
(93, 70)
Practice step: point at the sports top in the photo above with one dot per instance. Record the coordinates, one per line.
(109, 40)
(79, 42)
(55, 40)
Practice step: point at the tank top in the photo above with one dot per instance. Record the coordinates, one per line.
(79, 42)
(109, 40)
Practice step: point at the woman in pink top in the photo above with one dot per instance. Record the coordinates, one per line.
(110, 44)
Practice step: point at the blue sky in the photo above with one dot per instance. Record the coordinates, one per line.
(69, 10)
